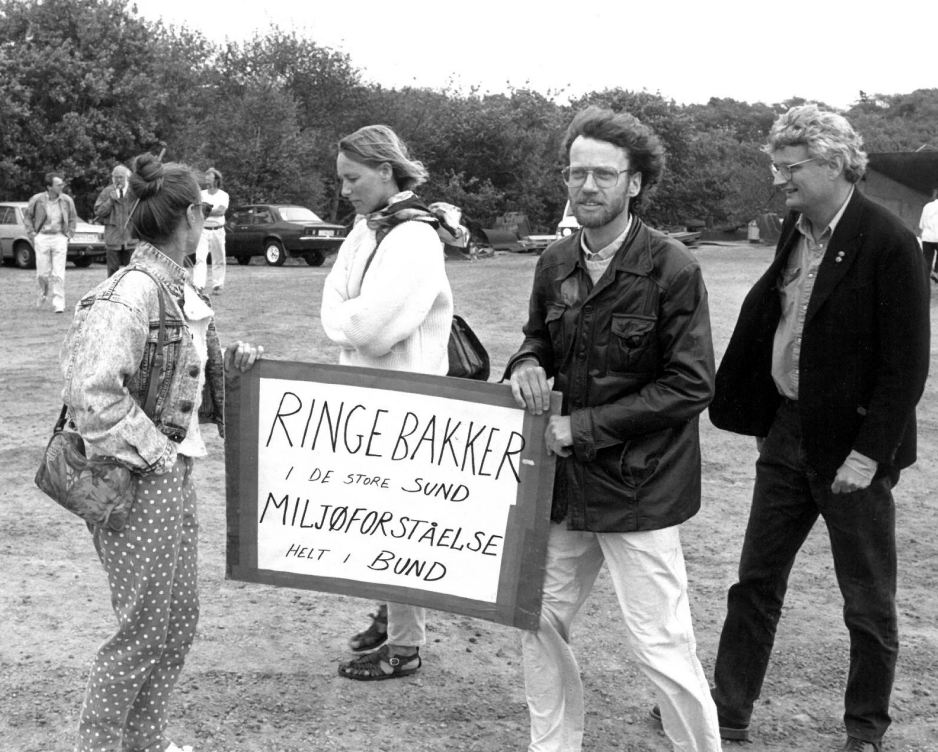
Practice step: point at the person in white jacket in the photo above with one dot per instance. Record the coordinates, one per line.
(387, 304)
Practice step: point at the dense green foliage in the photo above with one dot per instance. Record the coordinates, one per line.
(87, 83)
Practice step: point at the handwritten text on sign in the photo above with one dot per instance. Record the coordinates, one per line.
(386, 487)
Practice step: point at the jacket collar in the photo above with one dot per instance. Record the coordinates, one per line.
(634, 255)
(165, 269)
(838, 258)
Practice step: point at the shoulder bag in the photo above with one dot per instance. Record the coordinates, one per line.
(468, 358)
(100, 490)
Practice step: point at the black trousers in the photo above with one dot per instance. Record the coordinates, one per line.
(787, 499)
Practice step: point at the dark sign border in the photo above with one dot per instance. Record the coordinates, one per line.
(522, 568)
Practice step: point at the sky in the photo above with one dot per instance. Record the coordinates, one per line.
(752, 51)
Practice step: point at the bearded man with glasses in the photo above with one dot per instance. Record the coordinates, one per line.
(618, 318)
(824, 368)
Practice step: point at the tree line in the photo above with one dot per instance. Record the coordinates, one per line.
(85, 84)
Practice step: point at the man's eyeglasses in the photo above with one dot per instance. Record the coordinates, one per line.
(206, 209)
(604, 177)
(785, 170)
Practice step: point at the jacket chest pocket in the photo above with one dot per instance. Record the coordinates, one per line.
(632, 346)
(172, 345)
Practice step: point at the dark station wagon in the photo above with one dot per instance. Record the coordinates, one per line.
(278, 232)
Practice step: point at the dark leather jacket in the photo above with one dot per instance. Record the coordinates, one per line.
(633, 358)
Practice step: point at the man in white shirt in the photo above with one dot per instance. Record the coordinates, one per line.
(213, 235)
(929, 227)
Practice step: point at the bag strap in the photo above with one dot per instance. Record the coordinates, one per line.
(379, 237)
(153, 384)
(149, 405)
(382, 232)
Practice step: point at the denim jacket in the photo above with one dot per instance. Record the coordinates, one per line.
(108, 354)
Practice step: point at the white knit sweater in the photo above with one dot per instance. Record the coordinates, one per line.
(399, 317)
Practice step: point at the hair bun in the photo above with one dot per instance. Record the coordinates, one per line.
(147, 178)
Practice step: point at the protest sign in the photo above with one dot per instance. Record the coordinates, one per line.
(396, 486)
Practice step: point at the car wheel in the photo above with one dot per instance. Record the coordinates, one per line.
(316, 258)
(24, 255)
(274, 253)
(83, 262)
(243, 260)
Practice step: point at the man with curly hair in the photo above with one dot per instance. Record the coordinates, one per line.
(618, 317)
(824, 368)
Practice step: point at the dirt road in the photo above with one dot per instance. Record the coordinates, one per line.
(262, 674)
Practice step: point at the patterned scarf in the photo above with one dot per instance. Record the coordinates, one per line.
(406, 207)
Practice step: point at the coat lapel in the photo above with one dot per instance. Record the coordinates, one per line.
(840, 256)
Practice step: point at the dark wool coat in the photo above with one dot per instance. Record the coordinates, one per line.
(864, 352)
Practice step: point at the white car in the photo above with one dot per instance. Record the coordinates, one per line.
(15, 245)
(568, 224)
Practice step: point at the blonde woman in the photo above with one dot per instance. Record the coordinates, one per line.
(387, 304)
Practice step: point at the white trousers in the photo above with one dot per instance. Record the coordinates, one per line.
(50, 267)
(648, 574)
(211, 241)
(407, 625)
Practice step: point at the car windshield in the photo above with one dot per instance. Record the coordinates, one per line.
(297, 214)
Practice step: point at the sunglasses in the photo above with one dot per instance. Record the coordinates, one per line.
(206, 209)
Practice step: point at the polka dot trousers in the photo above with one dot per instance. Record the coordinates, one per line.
(151, 570)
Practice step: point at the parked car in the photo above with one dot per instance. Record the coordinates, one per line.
(278, 232)
(568, 223)
(15, 245)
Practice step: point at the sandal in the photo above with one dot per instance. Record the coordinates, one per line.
(376, 634)
(380, 665)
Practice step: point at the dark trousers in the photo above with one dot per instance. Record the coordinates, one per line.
(787, 499)
(929, 250)
(117, 257)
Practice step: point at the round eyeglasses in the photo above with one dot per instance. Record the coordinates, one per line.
(205, 208)
(604, 177)
(785, 170)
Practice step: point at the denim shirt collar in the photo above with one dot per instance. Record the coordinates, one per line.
(167, 270)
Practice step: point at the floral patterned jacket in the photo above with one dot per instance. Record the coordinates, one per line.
(108, 356)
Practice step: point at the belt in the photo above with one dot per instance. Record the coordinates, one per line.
(219, 227)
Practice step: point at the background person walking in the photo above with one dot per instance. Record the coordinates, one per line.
(51, 220)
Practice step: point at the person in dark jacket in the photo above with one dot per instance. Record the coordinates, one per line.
(825, 367)
(619, 319)
(113, 208)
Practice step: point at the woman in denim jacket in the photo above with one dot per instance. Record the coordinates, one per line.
(107, 358)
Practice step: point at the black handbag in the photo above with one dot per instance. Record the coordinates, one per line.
(468, 359)
(100, 490)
